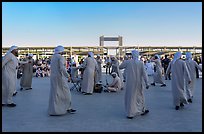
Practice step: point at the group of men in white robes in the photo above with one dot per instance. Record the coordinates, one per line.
(136, 80)
(183, 79)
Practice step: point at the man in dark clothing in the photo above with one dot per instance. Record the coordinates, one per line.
(165, 64)
(197, 73)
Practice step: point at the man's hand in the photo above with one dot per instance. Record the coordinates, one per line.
(69, 79)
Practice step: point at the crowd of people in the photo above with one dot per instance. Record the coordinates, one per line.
(134, 79)
(40, 67)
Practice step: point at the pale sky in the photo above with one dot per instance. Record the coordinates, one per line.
(82, 23)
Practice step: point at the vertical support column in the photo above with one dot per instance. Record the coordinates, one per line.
(120, 39)
(36, 52)
(101, 41)
(70, 51)
(194, 50)
(28, 51)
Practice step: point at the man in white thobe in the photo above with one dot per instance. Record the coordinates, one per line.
(124, 72)
(27, 76)
(136, 77)
(90, 66)
(114, 65)
(60, 96)
(157, 76)
(191, 65)
(150, 68)
(115, 68)
(115, 86)
(9, 76)
(178, 69)
(75, 76)
(99, 72)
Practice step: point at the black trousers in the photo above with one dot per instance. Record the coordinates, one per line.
(169, 75)
(108, 70)
(197, 73)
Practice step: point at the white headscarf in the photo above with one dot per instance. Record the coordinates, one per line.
(30, 55)
(188, 56)
(157, 56)
(177, 56)
(135, 55)
(59, 49)
(114, 73)
(91, 54)
(11, 49)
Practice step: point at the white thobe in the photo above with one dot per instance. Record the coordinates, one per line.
(26, 79)
(90, 66)
(178, 70)
(191, 65)
(9, 77)
(60, 96)
(99, 72)
(136, 77)
(157, 76)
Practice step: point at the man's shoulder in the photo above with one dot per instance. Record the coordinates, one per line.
(9, 55)
(117, 78)
(182, 61)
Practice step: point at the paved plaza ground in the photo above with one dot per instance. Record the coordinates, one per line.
(102, 112)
